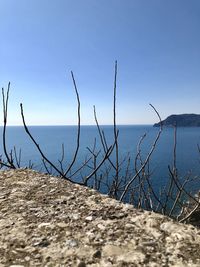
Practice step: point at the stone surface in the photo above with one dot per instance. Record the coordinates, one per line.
(47, 221)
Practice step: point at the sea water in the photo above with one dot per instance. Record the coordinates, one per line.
(52, 138)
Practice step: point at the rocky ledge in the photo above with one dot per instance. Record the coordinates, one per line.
(46, 221)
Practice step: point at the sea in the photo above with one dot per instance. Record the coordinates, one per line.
(53, 140)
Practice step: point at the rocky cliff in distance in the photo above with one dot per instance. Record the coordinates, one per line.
(182, 120)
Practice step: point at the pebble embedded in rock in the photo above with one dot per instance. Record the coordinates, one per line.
(72, 243)
(89, 218)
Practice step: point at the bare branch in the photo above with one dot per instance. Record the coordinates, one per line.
(147, 158)
(5, 114)
(79, 126)
(108, 153)
(38, 147)
(190, 213)
(115, 125)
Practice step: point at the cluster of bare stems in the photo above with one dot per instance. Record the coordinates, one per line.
(127, 179)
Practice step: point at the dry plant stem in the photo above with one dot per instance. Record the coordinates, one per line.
(102, 137)
(45, 166)
(178, 196)
(115, 127)
(30, 165)
(141, 191)
(190, 213)
(123, 180)
(179, 187)
(145, 178)
(153, 193)
(98, 182)
(147, 158)
(174, 171)
(17, 157)
(39, 149)
(79, 127)
(4, 164)
(5, 114)
(116, 184)
(157, 208)
(80, 168)
(98, 128)
(95, 156)
(107, 155)
(128, 165)
(138, 156)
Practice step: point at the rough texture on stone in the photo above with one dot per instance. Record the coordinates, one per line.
(47, 221)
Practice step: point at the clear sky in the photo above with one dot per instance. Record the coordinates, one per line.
(156, 43)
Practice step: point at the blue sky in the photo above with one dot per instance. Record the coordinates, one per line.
(156, 43)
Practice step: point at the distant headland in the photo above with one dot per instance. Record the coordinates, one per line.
(182, 120)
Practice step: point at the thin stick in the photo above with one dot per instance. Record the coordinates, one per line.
(147, 158)
(102, 137)
(5, 113)
(108, 153)
(115, 125)
(38, 147)
(79, 127)
(190, 213)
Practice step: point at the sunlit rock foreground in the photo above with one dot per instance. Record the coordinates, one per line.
(46, 221)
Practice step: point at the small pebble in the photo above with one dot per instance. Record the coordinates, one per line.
(72, 243)
(89, 218)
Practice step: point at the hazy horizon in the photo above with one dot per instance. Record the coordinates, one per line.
(73, 125)
(156, 44)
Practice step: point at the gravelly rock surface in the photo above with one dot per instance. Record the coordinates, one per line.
(46, 221)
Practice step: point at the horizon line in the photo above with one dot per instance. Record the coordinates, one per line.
(59, 125)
